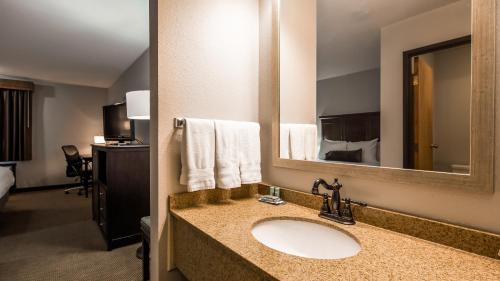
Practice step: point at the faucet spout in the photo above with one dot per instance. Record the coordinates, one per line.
(317, 183)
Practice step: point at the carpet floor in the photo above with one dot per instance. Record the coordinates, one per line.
(49, 235)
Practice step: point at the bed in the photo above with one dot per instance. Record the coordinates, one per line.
(354, 133)
(7, 181)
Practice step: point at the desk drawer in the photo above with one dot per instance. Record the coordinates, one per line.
(102, 209)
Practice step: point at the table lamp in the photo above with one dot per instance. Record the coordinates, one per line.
(138, 105)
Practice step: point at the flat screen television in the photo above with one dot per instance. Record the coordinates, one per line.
(117, 127)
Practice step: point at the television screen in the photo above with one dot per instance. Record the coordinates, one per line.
(117, 127)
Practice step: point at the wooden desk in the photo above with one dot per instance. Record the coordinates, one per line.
(120, 194)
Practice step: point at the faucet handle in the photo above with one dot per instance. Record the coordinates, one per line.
(346, 211)
(325, 208)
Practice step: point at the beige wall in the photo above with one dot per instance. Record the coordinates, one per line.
(298, 61)
(449, 22)
(352, 93)
(62, 114)
(135, 78)
(452, 92)
(446, 204)
(205, 64)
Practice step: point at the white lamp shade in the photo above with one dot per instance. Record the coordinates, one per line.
(138, 105)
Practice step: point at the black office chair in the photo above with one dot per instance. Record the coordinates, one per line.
(75, 168)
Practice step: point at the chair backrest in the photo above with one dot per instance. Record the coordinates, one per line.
(73, 159)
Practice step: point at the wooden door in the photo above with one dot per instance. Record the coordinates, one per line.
(423, 90)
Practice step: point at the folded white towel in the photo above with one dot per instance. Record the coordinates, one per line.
(284, 141)
(297, 142)
(227, 155)
(250, 152)
(197, 154)
(310, 142)
(303, 141)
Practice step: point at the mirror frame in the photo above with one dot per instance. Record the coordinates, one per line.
(481, 177)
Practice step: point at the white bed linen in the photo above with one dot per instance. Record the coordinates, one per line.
(6, 180)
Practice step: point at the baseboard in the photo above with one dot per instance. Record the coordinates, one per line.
(45, 187)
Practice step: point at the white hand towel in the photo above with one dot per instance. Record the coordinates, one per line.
(297, 142)
(310, 142)
(284, 141)
(227, 156)
(197, 154)
(250, 153)
(303, 139)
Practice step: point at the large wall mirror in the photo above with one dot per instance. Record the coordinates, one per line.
(387, 89)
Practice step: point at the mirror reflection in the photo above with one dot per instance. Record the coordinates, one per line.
(376, 82)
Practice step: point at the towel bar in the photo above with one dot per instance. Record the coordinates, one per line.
(179, 122)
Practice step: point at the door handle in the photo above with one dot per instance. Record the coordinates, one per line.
(434, 146)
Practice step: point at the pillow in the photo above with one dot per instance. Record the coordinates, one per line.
(345, 156)
(329, 145)
(369, 149)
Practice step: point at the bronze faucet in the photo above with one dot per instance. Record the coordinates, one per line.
(336, 213)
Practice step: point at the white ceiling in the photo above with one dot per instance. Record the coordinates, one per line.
(81, 42)
(349, 31)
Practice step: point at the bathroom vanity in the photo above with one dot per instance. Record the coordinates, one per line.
(387, 140)
(213, 241)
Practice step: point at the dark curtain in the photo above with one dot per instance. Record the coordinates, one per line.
(15, 125)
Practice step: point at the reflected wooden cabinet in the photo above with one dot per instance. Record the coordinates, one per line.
(120, 195)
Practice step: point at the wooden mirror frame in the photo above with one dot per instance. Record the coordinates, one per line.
(481, 177)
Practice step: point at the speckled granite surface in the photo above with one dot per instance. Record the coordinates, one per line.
(385, 255)
(470, 240)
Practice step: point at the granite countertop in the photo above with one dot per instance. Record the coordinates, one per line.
(385, 255)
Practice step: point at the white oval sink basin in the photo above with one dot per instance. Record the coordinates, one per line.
(305, 239)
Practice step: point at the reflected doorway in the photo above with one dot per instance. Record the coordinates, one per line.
(437, 90)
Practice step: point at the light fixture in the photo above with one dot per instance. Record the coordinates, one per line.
(99, 140)
(138, 105)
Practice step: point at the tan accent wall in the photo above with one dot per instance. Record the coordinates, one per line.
(205, 64)
(298, 61)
